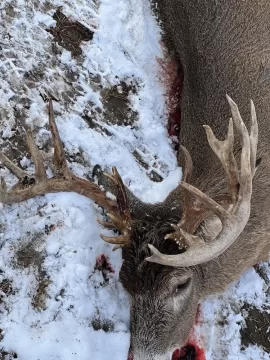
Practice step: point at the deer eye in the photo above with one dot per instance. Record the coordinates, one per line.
(181, 286)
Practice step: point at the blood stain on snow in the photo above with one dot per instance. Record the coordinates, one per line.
(102, 263)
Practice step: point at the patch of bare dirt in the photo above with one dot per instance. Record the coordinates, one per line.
(40, 299)
(102, 324)
(5, 289)
(32, 255)
(69, 34)
(257, 328)
(257, 322)
(117, 109)
(153, 175)
(27, 254)
(4, 355)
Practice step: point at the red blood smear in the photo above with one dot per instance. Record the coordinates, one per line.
(198, 318)
(102, 263)
(176, 355)
(190, 352)
(172, 79)
(174, 119)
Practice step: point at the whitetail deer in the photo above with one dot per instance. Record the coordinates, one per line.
(208, 230)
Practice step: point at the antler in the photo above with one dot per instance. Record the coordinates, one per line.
(194, 212)
(240, 190)
(122, 222)
(29, 186)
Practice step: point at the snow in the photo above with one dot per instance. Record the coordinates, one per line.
(126, 45)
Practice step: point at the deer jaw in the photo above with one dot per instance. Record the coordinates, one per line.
(156, 333)
(161, 319)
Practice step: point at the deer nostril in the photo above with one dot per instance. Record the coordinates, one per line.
(186, 353)
(176, 354)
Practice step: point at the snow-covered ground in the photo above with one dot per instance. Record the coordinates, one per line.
(57, 303)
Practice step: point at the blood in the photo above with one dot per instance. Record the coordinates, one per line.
(174, 120)
(191, 351)
(198, 318)
(172, 78)
(103, 264)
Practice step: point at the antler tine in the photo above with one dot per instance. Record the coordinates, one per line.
(207, 201)
(39, 184)
(59, 159)
(253, 137)
(246, 174)
(234, 221)
(123, 222)
(192, 214)
(188, 165)
(121, 195)
(40, 172)
(19, 173)
(117, 240)
(224, 151)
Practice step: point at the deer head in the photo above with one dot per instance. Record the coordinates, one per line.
(164, 246)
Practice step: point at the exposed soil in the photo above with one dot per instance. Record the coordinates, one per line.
(153, 175)
(68, 33)
(257, 329)
(32, 255)
(5, 288)
(39, 300)
(117, 109)
(102, 324)
(4, 355)
(27, 255)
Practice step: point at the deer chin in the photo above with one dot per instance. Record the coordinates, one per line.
(167, 356)
(187, 352)
(156, 357)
